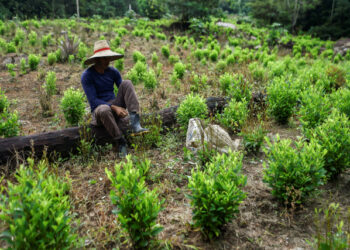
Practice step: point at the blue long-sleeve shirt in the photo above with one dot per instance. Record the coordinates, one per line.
(99, 87)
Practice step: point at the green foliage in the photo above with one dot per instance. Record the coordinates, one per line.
(138, 72)
(36, 210)
(336, 77)
(138, 56)
(50, 83)
(253, 140)
(10, 47)
(82, 51)
(180, 69)
(216, 193)
(341, 100)
(234, 115)
(334, 136)
(315, 108)
(23, 66)
(189, 9)
(213, 56)
(173, 59)
(152, 8)
(154, 58)
(73, 106)
(282, 98)
(150, 80)
(10, 68)
(332, 232)
(193, 106)
(165, 51)
(32, 37)
(9, 124)
(119, 64)
(221, 65)
(137, 207)
(19, 37)
(45, 40)
(33, 61)
(293, 171)
(235, 86)
(4, 103)
(51, 58)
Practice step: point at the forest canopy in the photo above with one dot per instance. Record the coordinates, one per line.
(324, 18)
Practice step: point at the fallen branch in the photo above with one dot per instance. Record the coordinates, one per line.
(66, 140)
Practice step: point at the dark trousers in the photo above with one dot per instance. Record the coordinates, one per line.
(104, 116)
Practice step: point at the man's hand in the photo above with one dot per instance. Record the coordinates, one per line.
(121, 112)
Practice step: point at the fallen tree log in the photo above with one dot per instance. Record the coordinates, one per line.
(66, 141)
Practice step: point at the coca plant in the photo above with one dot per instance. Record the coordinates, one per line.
(137, 207)
(216, 193)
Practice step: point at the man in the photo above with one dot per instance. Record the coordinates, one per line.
(107, 109)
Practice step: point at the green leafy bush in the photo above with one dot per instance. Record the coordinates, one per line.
(213, 56)
(4, 103)
(152, 8)
(82, 51)
(173, 59)
(234, 115)
(45, 40)
(341, 100)
(216, 193)
(334, 136)
(20, 36)
(9, 124)
(138, 72)
(165, 51)
(293, 172)
(33, 36)
(315, 108)
(73, 106)
(193, 106)
(154, 58)
(10, 68)
(253, 140)
(10, 47)
(36, 210)
(119, 64)
(138, 56)
(282, 98)
(33, 61)
(50, 83)
(221, 65)
(51, 58)
(198, 53)
(23, 66)
(137, 207)
(180, 69)
(150, 80)
(332, 231)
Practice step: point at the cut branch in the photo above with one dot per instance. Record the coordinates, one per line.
(66, 141)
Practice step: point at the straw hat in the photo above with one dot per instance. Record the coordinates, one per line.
(102, 49)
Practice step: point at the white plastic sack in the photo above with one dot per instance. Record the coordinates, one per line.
(214, 136)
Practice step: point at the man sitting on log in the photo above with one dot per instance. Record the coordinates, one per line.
(107, 109)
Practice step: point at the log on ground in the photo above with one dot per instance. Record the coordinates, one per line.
(65, 141)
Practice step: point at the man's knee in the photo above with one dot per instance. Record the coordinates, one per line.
(127, 84)
(103, 110)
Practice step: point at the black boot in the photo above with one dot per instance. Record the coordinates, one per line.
(122, 152)
(136, 128)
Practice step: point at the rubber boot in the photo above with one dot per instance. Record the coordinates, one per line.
(136, 128)
(122, 152)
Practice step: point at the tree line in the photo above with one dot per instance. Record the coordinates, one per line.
(325, 18)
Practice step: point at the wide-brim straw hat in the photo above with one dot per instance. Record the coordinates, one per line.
(102, 49)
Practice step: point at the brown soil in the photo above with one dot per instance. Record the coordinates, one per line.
(263, 223)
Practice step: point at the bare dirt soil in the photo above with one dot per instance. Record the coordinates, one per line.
(263, 223)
